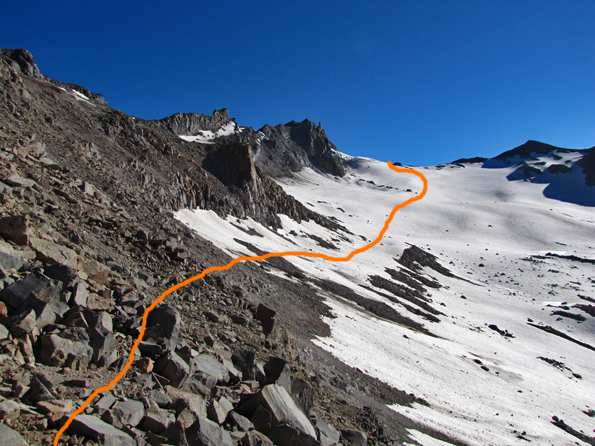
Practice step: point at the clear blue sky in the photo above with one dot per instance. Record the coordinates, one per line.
(420, 82)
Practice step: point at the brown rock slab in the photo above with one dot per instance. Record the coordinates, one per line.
(182, 400)
(96, 271)
(98, 303)
(23, 324)
(218, 410)
(129, 412)
(144, 365)
(52, 253)
(210, 366)
(15, 180)
(173, 368)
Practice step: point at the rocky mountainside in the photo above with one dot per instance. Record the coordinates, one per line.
(88, 242)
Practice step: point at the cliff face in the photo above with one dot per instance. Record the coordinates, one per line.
(292, 146)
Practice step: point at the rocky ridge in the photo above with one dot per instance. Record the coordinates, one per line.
(192, 123)
(88, 242)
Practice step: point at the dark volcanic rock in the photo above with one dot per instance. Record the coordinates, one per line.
(587, 163)
(163, 327)
(234, 166)
(278, 372)
(15, 294)
(245, 362)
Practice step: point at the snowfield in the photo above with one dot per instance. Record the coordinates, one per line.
(493, 373)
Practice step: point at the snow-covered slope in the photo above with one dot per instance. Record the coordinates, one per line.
(491, 359)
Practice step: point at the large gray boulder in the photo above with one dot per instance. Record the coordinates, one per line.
(303, 395)
(327, 434)
(157, 421)
(125, 413)
(12, 258)
(181, 400)
(211, 367)
(282, 408)
(9, 437)
(101, 338)
(162, 332)
(69, 348)
(174, 368)
(206, 433)
(103, 433)
(218, 410)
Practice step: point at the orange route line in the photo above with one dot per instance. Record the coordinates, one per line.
(228, 266)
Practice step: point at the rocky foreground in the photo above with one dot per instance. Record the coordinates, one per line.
(87, 242)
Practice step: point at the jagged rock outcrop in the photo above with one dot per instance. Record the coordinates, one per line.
(192, 123)
(21, 61)
(292, 146)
